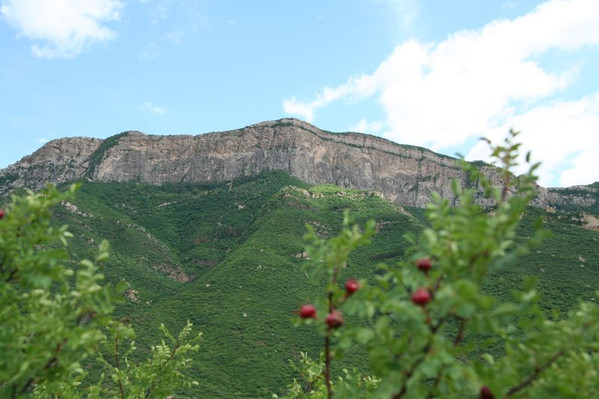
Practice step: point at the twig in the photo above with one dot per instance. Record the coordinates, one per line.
(460, 336)
(327, 351)
(425, 350)
(118, 368)
(149, 390)
(327, 338)
(538, 370)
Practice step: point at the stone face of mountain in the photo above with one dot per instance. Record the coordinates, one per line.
(58, 161)
(405, 175)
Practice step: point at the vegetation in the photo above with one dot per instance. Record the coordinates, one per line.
(55, 315)
(430, 328)
(97, 156)
(230, 258)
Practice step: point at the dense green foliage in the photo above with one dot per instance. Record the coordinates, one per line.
(230, 258)
(56, 315)
(431, 330)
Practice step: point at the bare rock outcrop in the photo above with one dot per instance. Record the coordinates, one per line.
(58, 161)
(406, 175)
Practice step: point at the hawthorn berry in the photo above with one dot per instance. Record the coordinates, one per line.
(351, 286)
(334, 319)
(485, 393)
(424, 264)
(307, 312)
(421, 297)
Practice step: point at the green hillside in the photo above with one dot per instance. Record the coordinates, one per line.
(229, 257)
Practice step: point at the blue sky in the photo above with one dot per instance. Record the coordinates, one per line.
(438, 74)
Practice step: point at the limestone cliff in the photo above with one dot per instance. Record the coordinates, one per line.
(406, 175)
(58, 161)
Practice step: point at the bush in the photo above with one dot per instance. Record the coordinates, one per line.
(56, 314)
(428, 330)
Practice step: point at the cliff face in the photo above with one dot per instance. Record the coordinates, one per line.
(58, 161)
(403, 174)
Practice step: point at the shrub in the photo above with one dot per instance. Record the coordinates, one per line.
(55, 314)
(432, 332)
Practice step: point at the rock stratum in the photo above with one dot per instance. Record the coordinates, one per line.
(405, 175)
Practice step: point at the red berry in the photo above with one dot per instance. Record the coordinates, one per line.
(1, 213)
(421, 296)
(485, 393)
(424, 264)
(307, 312)
(351, 286)
(334, 319)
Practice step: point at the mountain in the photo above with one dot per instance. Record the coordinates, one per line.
(210, 228)
(405, 175)
(229, 256)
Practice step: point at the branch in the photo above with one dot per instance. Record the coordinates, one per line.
(11, 275)
(327, 339)
(425, 351)
(149, 390)
(116, 358)
(538, 370)
(460, 336)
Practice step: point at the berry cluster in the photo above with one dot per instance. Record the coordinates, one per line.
(334, 318)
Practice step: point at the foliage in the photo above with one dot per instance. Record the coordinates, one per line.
(437, 333)
(157, 377)
(97, 156)
(54, 315)
(243, 289)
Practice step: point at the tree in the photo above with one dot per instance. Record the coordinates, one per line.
(429, 328)
(56, 313)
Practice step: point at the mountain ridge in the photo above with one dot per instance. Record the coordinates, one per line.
(404, 174)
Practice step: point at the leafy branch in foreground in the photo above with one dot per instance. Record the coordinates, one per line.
(428, 327)
(154, 378)
(54, 315)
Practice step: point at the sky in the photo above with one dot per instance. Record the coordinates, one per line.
(437, 74)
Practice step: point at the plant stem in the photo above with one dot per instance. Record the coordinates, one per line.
(116, 358)
(327, 363)
(327, 350)
(538, 370)
(327, 338)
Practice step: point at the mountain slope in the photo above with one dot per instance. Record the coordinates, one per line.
(209, 228)
(241, 247)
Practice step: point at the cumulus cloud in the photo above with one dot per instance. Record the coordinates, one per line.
(153, 109)
(367, 127)
(583, 171)
(61, 29)
(478, 82)
(563, 134)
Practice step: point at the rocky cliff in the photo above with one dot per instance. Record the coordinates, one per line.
(406, 175)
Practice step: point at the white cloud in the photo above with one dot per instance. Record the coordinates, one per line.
(564, 135)
(306, 111)
(355, 88)
(367, 127)
(42, 140)
(153, 109)
(477, 82)
(62, 29)
(584, 169)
